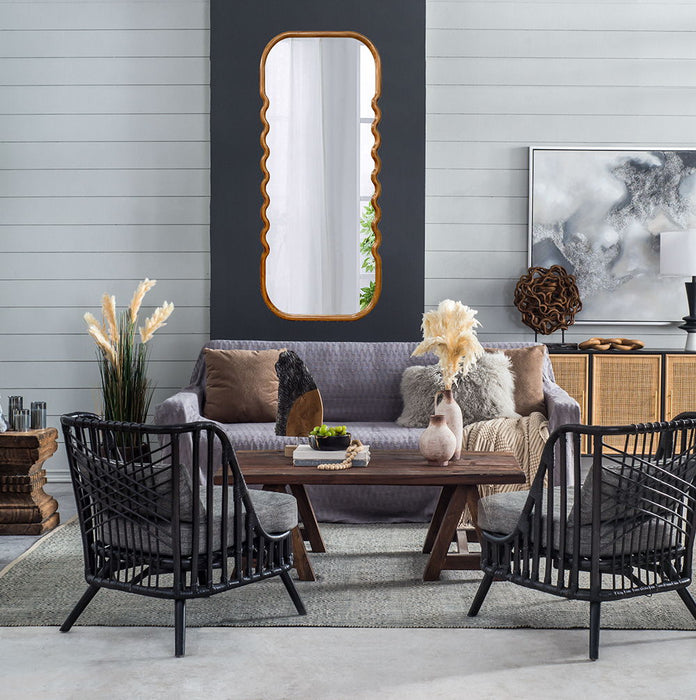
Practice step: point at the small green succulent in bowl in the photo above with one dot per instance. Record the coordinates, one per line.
(322, 437)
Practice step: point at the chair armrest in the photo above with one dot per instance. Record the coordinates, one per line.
(561, 408)
(181, 408)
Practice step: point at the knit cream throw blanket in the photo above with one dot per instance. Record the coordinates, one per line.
(525, 437)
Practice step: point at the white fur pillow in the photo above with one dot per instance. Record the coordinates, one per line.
(486, 391)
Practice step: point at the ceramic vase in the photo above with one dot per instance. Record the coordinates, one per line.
(437, 442)
(449, 408)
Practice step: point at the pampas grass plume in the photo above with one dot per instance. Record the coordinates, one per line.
(91, 320)
(103, 343)
(156, 321)
(449, 333)
(109, 314)
(143, 288)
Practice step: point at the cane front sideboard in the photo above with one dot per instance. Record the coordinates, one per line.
(624, 387)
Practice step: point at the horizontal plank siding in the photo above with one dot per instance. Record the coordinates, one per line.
(35, 322)
(81, 16)
(55, 293)
(104, 180)
(105, 43)
(105, 183)
(503, 75)
(119, 238)
(604, 44)
(170, 128)
(67, 347)
(100, 155)
(553, 16)
(172, 70)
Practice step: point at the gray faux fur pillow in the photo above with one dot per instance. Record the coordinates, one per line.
(487, 391)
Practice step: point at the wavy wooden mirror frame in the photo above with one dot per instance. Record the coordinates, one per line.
(373, 176)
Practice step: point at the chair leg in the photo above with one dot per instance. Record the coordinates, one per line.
(79, 608)
(688, 600)
(594, 629)
(179, 627)
(481, 594)
(290, 587)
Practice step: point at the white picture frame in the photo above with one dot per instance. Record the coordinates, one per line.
(598, 212)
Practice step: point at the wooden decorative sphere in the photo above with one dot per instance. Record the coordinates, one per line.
(548, 299)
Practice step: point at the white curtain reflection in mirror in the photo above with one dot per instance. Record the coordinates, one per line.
(319, 183)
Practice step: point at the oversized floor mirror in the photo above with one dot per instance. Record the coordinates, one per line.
(320, 175)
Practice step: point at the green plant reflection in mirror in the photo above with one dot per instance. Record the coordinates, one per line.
(320, 169)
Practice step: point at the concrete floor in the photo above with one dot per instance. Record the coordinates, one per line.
(335, 663)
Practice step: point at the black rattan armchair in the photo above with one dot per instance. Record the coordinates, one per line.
(152, 522)
(627, 530)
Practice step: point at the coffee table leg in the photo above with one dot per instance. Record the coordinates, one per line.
(309, 519)
(448, 526)
(301, 562)
(303, 566)
(440, 509)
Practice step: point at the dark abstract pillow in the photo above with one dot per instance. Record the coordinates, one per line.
(485, 392)
(299, 402)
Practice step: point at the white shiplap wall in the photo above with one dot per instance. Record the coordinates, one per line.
(504, 75)
(104, 155)
(104, 180)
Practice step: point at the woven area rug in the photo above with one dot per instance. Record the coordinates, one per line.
(371, 576)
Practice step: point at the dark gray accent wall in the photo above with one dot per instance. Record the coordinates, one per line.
(239, 33)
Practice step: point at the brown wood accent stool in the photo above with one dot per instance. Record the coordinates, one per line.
(459, 481)
(25, 508)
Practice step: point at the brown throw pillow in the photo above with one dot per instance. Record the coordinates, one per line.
(528, 368)
(241, 386)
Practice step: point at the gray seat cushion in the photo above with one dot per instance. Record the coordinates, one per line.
(638, 488)
(276, 512)
(500, 514)
(380, 435)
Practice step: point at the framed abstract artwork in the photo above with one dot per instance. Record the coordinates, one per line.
(599, 213)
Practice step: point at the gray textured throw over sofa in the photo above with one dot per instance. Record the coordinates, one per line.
(360, 386)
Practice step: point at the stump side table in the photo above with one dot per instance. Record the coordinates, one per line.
(25, 508)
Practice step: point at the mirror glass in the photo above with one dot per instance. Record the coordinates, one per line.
(320, 186)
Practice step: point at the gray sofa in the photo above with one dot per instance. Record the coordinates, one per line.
(360, 387)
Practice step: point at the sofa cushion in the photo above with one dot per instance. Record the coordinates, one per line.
(380, 435)
(485, 392)
(241, 385)
(527, 369)
(500, 513)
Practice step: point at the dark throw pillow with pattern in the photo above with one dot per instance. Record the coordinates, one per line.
(299, 402)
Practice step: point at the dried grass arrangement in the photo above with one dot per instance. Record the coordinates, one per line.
(126, 391)
(449, 333)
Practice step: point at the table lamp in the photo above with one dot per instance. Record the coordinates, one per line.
(678, 259)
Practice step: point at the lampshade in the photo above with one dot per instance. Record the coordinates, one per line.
(678, 253)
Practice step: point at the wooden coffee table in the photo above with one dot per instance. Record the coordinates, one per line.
(459, 481)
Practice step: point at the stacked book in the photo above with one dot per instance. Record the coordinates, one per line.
(305, 456)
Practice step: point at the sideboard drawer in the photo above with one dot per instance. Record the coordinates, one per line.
(572, 372)
(626, 390)
(680, 384)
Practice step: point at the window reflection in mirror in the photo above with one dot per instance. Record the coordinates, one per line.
(320, 185)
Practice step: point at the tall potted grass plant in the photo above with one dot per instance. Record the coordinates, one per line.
(123, 354)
